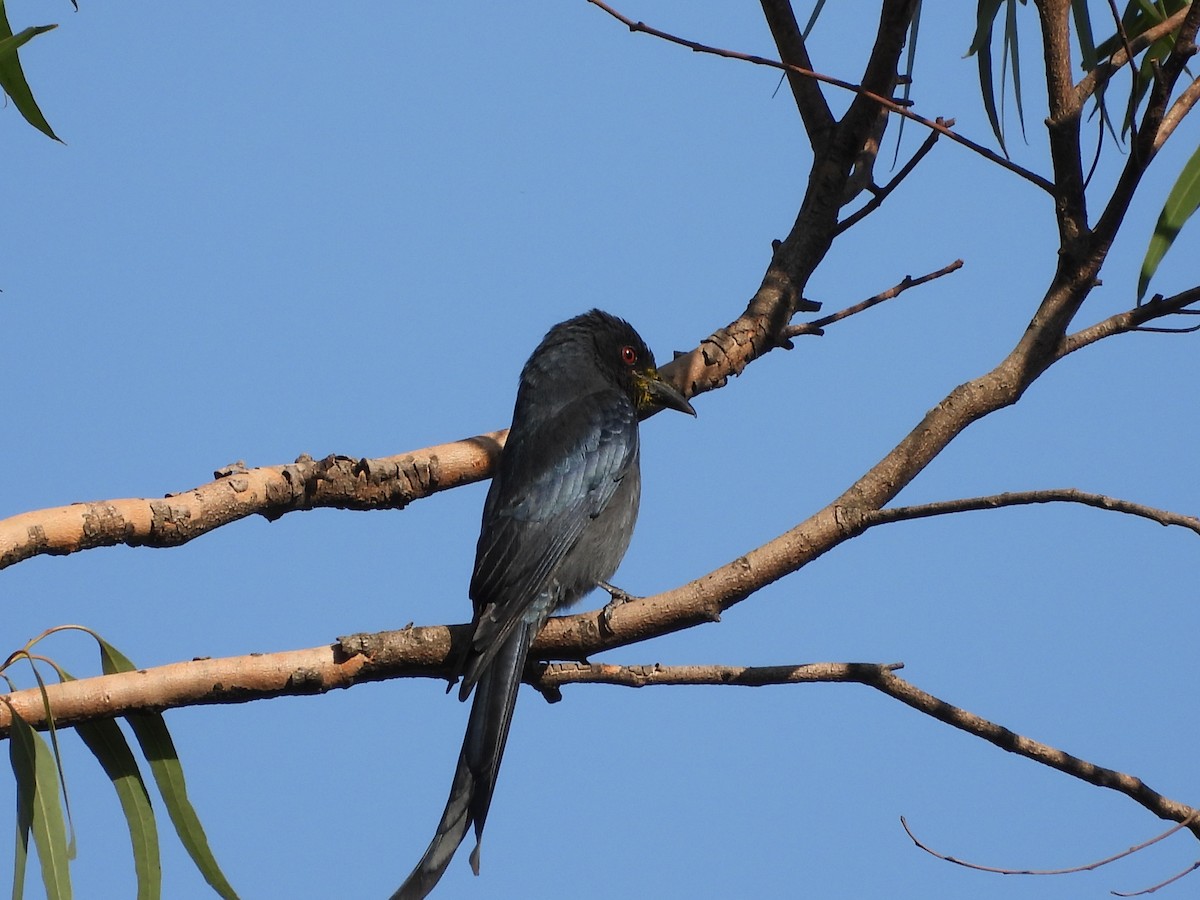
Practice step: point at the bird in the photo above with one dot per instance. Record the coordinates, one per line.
(557, 521)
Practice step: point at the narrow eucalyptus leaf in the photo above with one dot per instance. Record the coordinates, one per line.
(158, 748)
(39, 809)
(12, 77)
(107, 743)
(1181, 204)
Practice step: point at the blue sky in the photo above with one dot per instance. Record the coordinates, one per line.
(280, 231)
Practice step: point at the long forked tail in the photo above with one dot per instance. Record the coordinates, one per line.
(478, 763)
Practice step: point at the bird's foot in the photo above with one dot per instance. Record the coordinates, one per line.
(618, 598)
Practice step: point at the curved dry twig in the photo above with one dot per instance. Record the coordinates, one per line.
(1026, 498)
(1160, 885)
(1070, 870)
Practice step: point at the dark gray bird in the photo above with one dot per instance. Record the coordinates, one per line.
(556, 523)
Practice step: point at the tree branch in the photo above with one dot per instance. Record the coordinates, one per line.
(817, 326)
(320, 669)
(552, 676)
(1183, 105)
(810, 102)
(1070, 870)
(391, 482)
(409, 653)
(1062, 125)
(1130, 320)
(1129, 785)
(1026, 498)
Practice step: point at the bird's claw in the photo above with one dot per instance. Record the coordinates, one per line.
(618, 598)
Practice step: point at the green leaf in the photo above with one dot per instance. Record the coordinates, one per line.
(981, 47)
(39, 809)
(1138, 16)
(1012, 52)
(812, 20)
(1083, 31)
(53, 732)
(24, 823)
(9, 45)
(107, 743)
(909, 64)
(985, 17)
(158, 748)
(12, 78)
(1181, 203)
(152, 735)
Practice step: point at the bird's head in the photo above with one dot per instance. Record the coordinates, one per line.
(625, 356)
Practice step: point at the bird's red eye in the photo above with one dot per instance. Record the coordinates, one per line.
(628, 355)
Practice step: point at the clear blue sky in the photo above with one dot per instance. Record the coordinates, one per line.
(306, 229)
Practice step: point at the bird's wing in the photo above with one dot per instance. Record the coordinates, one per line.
(554, 478)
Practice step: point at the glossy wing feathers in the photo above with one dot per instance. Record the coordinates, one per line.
(554, 479)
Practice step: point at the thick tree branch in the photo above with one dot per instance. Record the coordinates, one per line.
(1070, 199)
(391, 482)
(240, 679)
(409, 653)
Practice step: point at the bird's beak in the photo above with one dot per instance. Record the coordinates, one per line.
(665, 395)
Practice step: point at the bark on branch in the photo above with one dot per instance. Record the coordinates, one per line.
(325, 668)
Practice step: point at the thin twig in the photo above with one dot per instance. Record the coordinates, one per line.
(1025, 498)
(880, 195)
(889, 103)
(1132, 104)
(1131, 320)
(1183, 104)
(1162, 884)
(817, 325)
(1087, 867)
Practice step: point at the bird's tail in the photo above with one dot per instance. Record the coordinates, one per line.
(478, 763)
